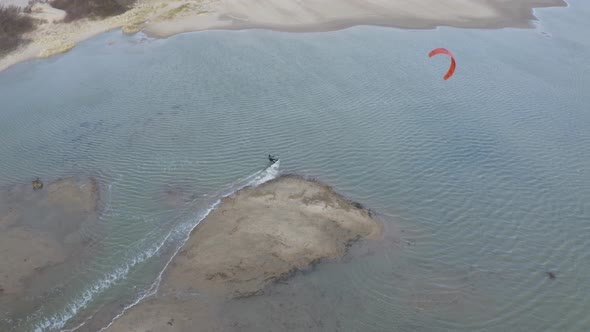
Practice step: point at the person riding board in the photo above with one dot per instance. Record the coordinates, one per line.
(272, 159)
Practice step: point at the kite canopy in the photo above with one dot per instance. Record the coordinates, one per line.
(447, 52)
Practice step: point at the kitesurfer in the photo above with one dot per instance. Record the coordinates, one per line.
(272, 159)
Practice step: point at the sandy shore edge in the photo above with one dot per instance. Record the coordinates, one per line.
(161, 18)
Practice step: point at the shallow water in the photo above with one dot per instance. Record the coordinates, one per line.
(486, 174)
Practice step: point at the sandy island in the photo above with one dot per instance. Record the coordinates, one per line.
(260, 236)
(162, 18)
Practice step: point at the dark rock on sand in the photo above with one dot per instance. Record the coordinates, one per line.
(37, 184)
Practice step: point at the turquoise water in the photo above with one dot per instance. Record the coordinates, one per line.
(486, 174)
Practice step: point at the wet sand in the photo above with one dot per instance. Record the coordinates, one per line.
(163, 18)
(41, 231)
(261, 236)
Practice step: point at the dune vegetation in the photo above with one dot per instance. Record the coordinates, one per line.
(14, 24)
(94, 9)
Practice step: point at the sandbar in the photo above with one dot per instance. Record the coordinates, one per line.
(260, 236)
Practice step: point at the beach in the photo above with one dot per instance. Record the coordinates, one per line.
(260, 236)
(161, 18)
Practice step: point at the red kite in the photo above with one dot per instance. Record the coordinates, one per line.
(447, 52)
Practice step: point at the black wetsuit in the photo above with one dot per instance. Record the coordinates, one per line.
(272, 159)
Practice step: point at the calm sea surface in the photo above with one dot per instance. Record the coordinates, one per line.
(487, 174)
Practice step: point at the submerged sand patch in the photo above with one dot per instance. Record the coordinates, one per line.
(40, 230)
(259, 236)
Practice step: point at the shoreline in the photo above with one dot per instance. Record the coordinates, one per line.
(160, 19)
